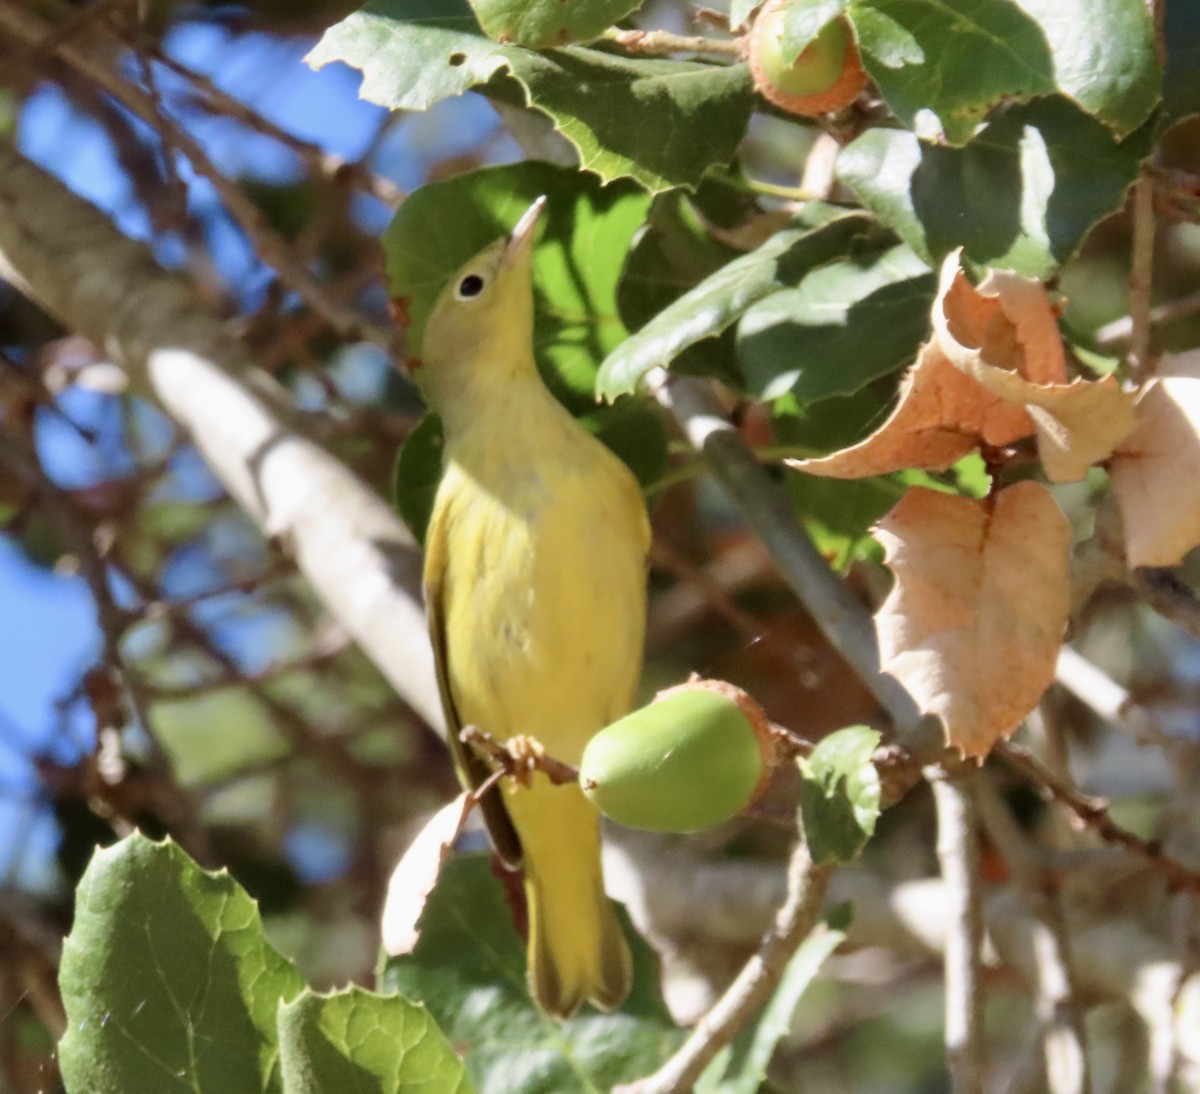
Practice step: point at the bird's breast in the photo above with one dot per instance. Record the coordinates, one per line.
(544, 595)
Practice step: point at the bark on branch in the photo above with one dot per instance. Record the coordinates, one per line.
(360, 559)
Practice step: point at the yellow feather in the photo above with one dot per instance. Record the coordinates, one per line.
(535, 586)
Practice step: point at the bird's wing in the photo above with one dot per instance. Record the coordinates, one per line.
(471, 767)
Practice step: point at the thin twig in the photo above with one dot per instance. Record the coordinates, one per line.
(1092, 813)
(273, 248)
(113, 622)
(1120, 330)
(1167, 594)
(1060, 1017)
(958, 853)
(218, 101)
(659, 43)
(519, 757)
(1141, 277)
(759, 977)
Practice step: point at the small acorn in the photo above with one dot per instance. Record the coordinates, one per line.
(697, 755)
(827, 75)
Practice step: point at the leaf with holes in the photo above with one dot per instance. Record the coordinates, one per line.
(662, 123)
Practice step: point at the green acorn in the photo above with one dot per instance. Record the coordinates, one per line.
(827, 76)
(693, 758)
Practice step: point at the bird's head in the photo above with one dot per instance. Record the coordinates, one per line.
(481, 326)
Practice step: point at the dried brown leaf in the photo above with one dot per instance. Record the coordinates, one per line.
(1004, 335)
(417, 872)
(1007, 321)
(942, 415)
(1156, 470)
(975, 621)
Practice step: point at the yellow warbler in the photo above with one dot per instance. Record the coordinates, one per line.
(535, 587)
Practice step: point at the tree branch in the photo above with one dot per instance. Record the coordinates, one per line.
(768, 510)
(1056, 1002)
(753, 986)
(359, 558)
(958, 852)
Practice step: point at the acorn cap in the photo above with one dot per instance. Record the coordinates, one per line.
(766, 65)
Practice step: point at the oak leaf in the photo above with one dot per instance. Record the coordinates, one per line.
(1004, 335)
(1156, 470)
(975, 621)
(942, 415)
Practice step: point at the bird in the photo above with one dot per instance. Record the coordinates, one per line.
(535, 589)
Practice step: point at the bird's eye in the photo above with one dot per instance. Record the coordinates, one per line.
(471, 285)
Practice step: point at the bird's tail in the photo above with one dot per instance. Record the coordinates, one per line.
(577, 951)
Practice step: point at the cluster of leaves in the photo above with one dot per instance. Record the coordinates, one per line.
(1011, 133)
(168, 980)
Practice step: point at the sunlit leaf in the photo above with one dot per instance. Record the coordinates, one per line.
(823, 233)
(1021, 195)
(354, 1040)
(584, 235)
(846, 323)
(943, 68)
(1154, 469)
(840, 794)
(167, 979)
(538, 24)
(660, 122)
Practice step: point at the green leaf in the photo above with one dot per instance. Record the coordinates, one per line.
(1181, 82)
(673, 255)
(802, 23)
(942, 68)
(541, 23)
(839, 794)
(839, 515)
(354, 1040)
(662, 123)
(823, 234)
(845, 324)
(1104, 55)
(584, 239)
(1022, 195)
(469, 970)
(741, 1067)
(167, 979)
(417, 474)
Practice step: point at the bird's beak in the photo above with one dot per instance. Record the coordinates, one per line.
(520, 242)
